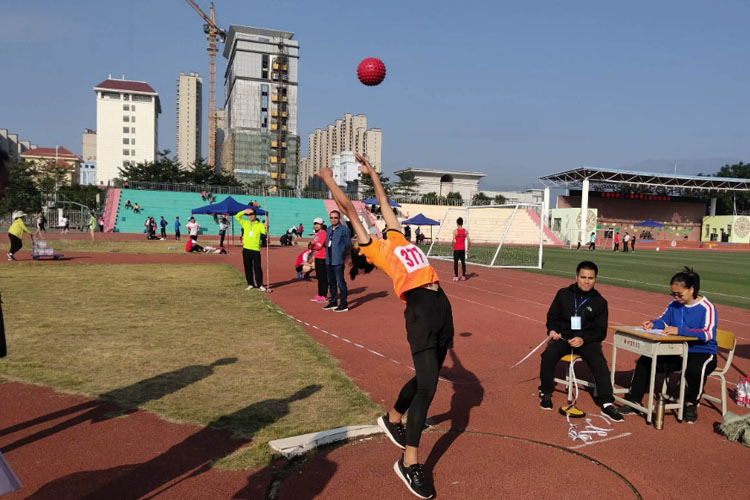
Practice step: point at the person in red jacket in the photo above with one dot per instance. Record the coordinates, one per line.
(318, 247)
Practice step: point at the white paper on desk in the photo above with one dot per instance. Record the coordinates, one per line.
(652, 331)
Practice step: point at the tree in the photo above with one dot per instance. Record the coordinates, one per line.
(22, 192)
(480, 199)
(499, 199)
(454, 198)
(726, 203)
(366, 188)
(432, 198)
(164, 169)
(406, 184)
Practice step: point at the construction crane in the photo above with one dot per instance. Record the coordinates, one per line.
(213, 32)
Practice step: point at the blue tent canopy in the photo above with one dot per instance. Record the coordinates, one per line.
(649, 223)
(421, 220)
(374, 201)
(228, 206)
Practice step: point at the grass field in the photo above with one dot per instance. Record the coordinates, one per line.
(186, 342)
(725, 276)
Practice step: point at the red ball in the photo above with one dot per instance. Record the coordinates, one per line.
(371, 71)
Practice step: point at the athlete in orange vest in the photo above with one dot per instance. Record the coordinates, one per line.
(429, 325)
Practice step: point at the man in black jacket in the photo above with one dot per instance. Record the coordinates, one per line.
(577, 321)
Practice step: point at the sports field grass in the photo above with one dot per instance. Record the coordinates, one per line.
(186, 342)
(725, 276)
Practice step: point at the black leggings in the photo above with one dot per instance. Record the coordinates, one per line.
(251, 260)
(459, 255)
(15, 243)
(222, 234)
(416, 395)
(321, 272)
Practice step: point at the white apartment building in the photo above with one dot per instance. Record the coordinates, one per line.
(260, 83)
(88, 145)
(127, 125)
(345, 169)
(347, 134)
(189, 113)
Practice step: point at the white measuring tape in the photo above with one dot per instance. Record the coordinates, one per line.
(587, 433)
(532, 352)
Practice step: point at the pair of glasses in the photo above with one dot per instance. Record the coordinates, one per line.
(335, 218)
(676, 295)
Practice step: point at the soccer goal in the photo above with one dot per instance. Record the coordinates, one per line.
(509, 235)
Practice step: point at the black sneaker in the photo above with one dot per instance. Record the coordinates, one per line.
(341, 309)
(610, 411)
(690, 414)
(545, 402)
(330, 306)
(629, 410)
(414, 479)
(395, 432)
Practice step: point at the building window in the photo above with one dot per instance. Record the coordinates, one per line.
(125, 152)
(132, 119)
(125, 130)
(126, 107)
(111, 95)
(132, 152)
(132, 108)
(132, 130)
(125, 163)
(132, 141)
(126, 97)
(126, 118)
(126, 141)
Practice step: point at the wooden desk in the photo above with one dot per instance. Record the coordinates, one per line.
(629, 338)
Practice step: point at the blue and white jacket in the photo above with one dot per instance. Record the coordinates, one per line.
(696, 320)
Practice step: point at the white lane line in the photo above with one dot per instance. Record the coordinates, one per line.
(591, 443)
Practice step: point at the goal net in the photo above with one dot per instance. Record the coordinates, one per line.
(509, 235)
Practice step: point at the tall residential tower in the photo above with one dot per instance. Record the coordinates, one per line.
(260, 85)
(127, 126)
(189, 113)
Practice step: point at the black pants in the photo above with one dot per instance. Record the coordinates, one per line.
(251, 260)
(164, 233)
(15, 243)
(416, 395)
(592, 246)
(625, 246)
(459, 255)
(617, 247)
(177, 235)
(699, 366)
(591, 353)
(222, 234)
(321, 272)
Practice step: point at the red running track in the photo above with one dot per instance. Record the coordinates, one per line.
(490, 439)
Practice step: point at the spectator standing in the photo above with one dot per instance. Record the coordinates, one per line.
(252, 230)
(625, 242)
(163, 226)
(39, 224)
(632, 243)
(193, 228)
(407, 233)
(65, 224)
(222, 230)
(318, 247)
(592, 242)
(617, 241)
(177, 229)
(100, 220)
(300, 230)
(15, 234)
(338, 239)
(461, 244)
(577, 322)
(418, 235)
(92, 225)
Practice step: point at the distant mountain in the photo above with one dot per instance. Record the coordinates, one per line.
(685, 166)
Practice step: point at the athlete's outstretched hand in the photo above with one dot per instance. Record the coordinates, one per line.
(364, 165)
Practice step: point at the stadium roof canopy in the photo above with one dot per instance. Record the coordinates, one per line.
(629, 177)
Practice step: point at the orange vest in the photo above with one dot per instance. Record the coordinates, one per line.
(405, 263)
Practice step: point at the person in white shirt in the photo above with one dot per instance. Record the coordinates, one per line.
(193, 228)
(222, 230)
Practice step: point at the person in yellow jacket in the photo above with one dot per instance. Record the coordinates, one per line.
(15, 233)
(252, 230)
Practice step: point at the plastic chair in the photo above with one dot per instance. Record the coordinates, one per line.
(570, 358)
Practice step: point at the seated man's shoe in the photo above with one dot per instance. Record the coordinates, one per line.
(629, 410)
(395, 432)
(545, 402)
(690, 414)
(415, 479)
(610, 411)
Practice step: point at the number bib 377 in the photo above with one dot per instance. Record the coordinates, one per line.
(411, 257)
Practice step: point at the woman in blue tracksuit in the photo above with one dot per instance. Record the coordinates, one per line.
(688, 315)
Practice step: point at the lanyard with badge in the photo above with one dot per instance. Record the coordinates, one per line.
(575, 320)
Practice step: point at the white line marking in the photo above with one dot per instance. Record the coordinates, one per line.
(591, 443)
(376, 353)
(360, 346)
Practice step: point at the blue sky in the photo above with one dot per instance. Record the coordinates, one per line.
(514, 89)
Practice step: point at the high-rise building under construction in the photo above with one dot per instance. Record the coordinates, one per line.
(260, 85)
